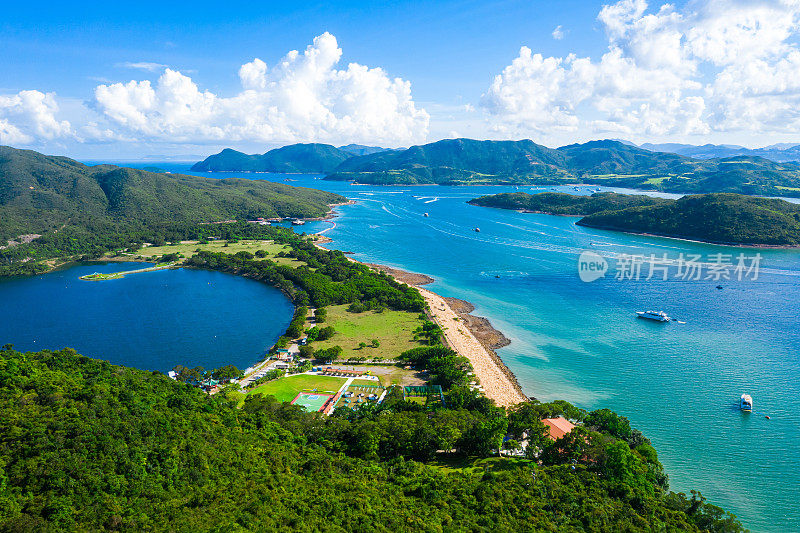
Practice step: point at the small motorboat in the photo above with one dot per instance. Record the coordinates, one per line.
(746, 403)
(477, 230)
(719, 287)
(658, 316)
(426, 215)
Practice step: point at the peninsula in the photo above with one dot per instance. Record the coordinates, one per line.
(375, 384)
(55, 209)
(714, 218)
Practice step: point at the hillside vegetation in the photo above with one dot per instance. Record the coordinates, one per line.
(612, 163)
(70, 204)
(88, 446)
(295, 158)
(717, 218)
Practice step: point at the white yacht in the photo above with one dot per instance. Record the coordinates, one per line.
(658, 316)
(746, 403)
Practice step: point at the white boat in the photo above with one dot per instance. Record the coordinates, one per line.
(298, 222)
(658, 316)
(746, 403)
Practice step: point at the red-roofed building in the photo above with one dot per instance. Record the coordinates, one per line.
(558, 427)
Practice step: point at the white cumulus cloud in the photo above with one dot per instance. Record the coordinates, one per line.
(31, 115)
(714, 65)
(306, 96)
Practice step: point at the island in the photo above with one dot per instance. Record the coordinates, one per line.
(722, 218)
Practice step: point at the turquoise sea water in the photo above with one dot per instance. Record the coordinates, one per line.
(678, 383)
(153, 320)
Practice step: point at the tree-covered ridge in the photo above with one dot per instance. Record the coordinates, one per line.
(612, 163)
(557, 203)
(86, 445)
(310, 158)
(327, 278)
(717, 218)
(76, 208)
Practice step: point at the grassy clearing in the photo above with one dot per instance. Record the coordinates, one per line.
(787, 188)
(285, 389)
(189, 248)
(471, 465)
(391, 328)
(655, 181)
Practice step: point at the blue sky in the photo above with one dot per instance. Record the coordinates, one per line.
(92, 80)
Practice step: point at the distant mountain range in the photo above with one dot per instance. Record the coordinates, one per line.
(474, 162)
(780, 153)
(312, 158)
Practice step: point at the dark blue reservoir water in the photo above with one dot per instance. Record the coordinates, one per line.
(152, 320)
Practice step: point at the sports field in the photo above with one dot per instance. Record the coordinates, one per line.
(286, 389)
(312, 401)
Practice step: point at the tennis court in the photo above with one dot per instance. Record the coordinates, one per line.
(312, 401)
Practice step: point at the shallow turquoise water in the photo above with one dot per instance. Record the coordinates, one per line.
(153, 320)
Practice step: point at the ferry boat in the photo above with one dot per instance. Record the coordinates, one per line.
(658, 316)
(298, 222)
(746, 403)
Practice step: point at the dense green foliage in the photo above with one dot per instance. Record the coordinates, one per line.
(86, 445)
(295, 158)
(467, 161)
(327, 278)
(558, 203)
(82, 210)
(718, 218)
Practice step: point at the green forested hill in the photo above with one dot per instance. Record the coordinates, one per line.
(89, 446)
(719, 218)
(612, 163)
(45, 195)
(455, 161)
(558, 203)
(295, 158)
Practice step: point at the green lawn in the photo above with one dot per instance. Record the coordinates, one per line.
(474, 465)
(285, 389)
(189, 248)
(392, 328)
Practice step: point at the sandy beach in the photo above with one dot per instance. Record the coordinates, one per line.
(472, 337)
(496, 381)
